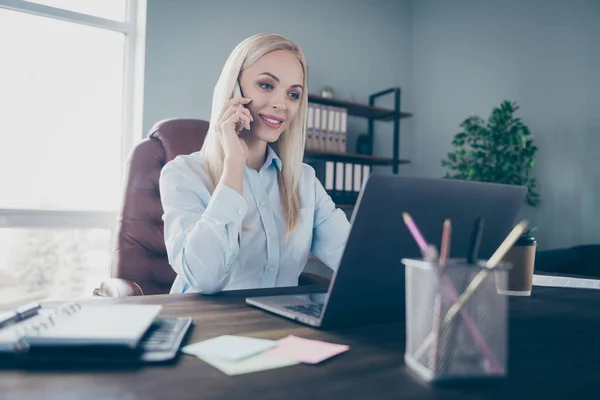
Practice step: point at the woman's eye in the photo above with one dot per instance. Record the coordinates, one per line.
(295, 96)
(266, 84)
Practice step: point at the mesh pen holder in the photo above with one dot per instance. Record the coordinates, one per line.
(446, 342)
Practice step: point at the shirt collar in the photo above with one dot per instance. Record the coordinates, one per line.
(272, 158)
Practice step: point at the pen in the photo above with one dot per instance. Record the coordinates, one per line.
(22, 313)
(28, 310)
(8, 318)
(475, 241)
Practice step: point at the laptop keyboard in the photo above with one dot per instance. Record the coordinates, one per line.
(312, 309)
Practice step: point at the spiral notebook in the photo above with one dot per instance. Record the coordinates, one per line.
(74, 324)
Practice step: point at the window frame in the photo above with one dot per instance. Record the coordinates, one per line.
(134, 29)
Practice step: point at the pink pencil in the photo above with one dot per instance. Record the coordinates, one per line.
(429, 252)
(412, 227)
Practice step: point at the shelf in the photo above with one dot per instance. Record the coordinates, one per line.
(351, 157)
(358, 109)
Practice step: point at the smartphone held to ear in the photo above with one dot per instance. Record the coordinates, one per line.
(237, 92)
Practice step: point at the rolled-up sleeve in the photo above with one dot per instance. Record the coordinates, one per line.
(201, 231)
(330, 229)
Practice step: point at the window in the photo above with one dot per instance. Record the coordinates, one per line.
(109, 9)
(69, 102)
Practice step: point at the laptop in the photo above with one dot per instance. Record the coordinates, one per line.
(369, 284)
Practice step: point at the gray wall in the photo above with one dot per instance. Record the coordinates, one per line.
(358, 47)
(469, 55)
(451, 58)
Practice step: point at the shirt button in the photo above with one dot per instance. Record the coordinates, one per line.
(271, 268)
(262, 204)
(240, 211)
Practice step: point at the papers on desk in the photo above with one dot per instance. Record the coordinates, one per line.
(235, 355)
(564, 281)
(261, 362)
(227, 347)
(306, 350)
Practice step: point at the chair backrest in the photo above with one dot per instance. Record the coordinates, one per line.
(140, 253)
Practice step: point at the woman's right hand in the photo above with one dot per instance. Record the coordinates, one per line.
(234, 147)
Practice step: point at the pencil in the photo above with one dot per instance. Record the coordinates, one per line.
(437, 305)
(506, 245)
(445, 247)
(416, 234)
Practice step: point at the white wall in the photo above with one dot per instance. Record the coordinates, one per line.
(469, 55)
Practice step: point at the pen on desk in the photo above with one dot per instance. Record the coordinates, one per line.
(20, 314)
(28, 310)
(473, 253)
(8, 318)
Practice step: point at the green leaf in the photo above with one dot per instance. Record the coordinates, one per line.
(497, 150)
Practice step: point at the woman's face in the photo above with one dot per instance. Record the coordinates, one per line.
(274, 83)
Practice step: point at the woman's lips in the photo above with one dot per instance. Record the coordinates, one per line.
(271, 120)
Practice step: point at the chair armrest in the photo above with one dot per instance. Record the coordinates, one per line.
(115, 287)
(307, 278)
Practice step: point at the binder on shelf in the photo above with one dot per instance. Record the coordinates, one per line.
(342, 131)
(310, 127)
(357, 178)
(316, 127)
(366, 172)
(324, 124)
(339, 178)
(329, 176)
(335, 147)
(330, 142)
(349, 184)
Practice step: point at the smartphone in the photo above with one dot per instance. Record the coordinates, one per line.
(237, 92)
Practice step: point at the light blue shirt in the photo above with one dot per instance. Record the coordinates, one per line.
(205, 242)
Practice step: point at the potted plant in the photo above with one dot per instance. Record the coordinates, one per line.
(499, 150)
(327, 92)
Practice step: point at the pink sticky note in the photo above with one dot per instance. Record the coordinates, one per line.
(306, 350)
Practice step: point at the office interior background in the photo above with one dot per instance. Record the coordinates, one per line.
(82, 82)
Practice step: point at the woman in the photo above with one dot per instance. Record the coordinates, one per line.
(244, 212)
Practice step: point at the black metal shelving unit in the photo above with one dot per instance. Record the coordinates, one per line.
(372, 113)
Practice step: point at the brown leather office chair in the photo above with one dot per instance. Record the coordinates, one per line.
(139, 264)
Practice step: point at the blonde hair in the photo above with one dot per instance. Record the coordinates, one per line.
(290, 145)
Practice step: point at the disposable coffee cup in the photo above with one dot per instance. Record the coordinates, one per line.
(520, 276)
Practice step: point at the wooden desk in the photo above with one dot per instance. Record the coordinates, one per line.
(554, 354)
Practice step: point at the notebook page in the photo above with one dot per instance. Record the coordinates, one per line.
(119, 324)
